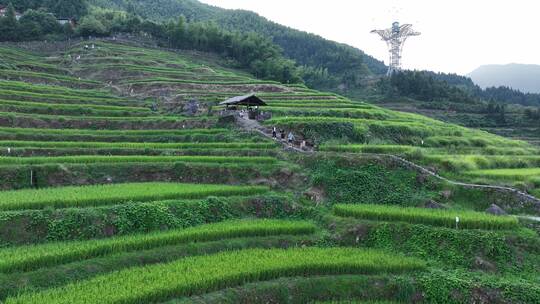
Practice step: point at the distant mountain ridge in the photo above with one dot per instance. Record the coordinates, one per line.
(523, 77)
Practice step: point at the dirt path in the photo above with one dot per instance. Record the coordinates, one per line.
(254, 126)
(521, 194)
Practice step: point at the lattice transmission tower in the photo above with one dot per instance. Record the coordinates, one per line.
(395, 38)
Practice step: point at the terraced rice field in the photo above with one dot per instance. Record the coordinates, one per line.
(205, 273)
(113, 193)
(339, 125)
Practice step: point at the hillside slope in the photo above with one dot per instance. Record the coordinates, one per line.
(523, 77)
(119, 167)
(345, 65)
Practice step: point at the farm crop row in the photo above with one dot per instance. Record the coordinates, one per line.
(114, 132)
(311, 106)
(97, 195)
(26, 258)
(86, 135)
(68, 117)
(334, 112)
(133, 145)
(69, 109)
(24, 87)
(507, 174)
(383, 149)
(63, 99)
(202, 274)
(472, 141)
(88, 159)
(434, 217)
(473, 162)
(67, 80)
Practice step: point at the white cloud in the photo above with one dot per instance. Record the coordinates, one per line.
(457, 36)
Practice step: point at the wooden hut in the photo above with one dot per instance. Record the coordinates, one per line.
(250, 101)
(247, 100)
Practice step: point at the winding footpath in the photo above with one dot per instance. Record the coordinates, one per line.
(520, 194)
(255, 126)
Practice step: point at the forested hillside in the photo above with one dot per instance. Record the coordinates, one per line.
(327, 64)
(457, 99)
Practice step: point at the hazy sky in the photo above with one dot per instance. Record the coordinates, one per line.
(457, 35)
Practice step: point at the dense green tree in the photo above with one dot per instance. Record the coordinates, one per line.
(67, 30)
(91, 26)
(66, 8)
(9, 26)
(178, 33)
(23, 5)
(45, 21)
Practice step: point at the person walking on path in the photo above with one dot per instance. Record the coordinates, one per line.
(274, 133)
(290, 137)
(282, 134)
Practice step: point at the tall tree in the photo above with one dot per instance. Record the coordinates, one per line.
(178, 34)
(67, 8)
(9, 26)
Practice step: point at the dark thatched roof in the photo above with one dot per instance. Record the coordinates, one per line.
(246, 100)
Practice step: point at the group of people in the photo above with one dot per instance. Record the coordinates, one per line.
(290, 136)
